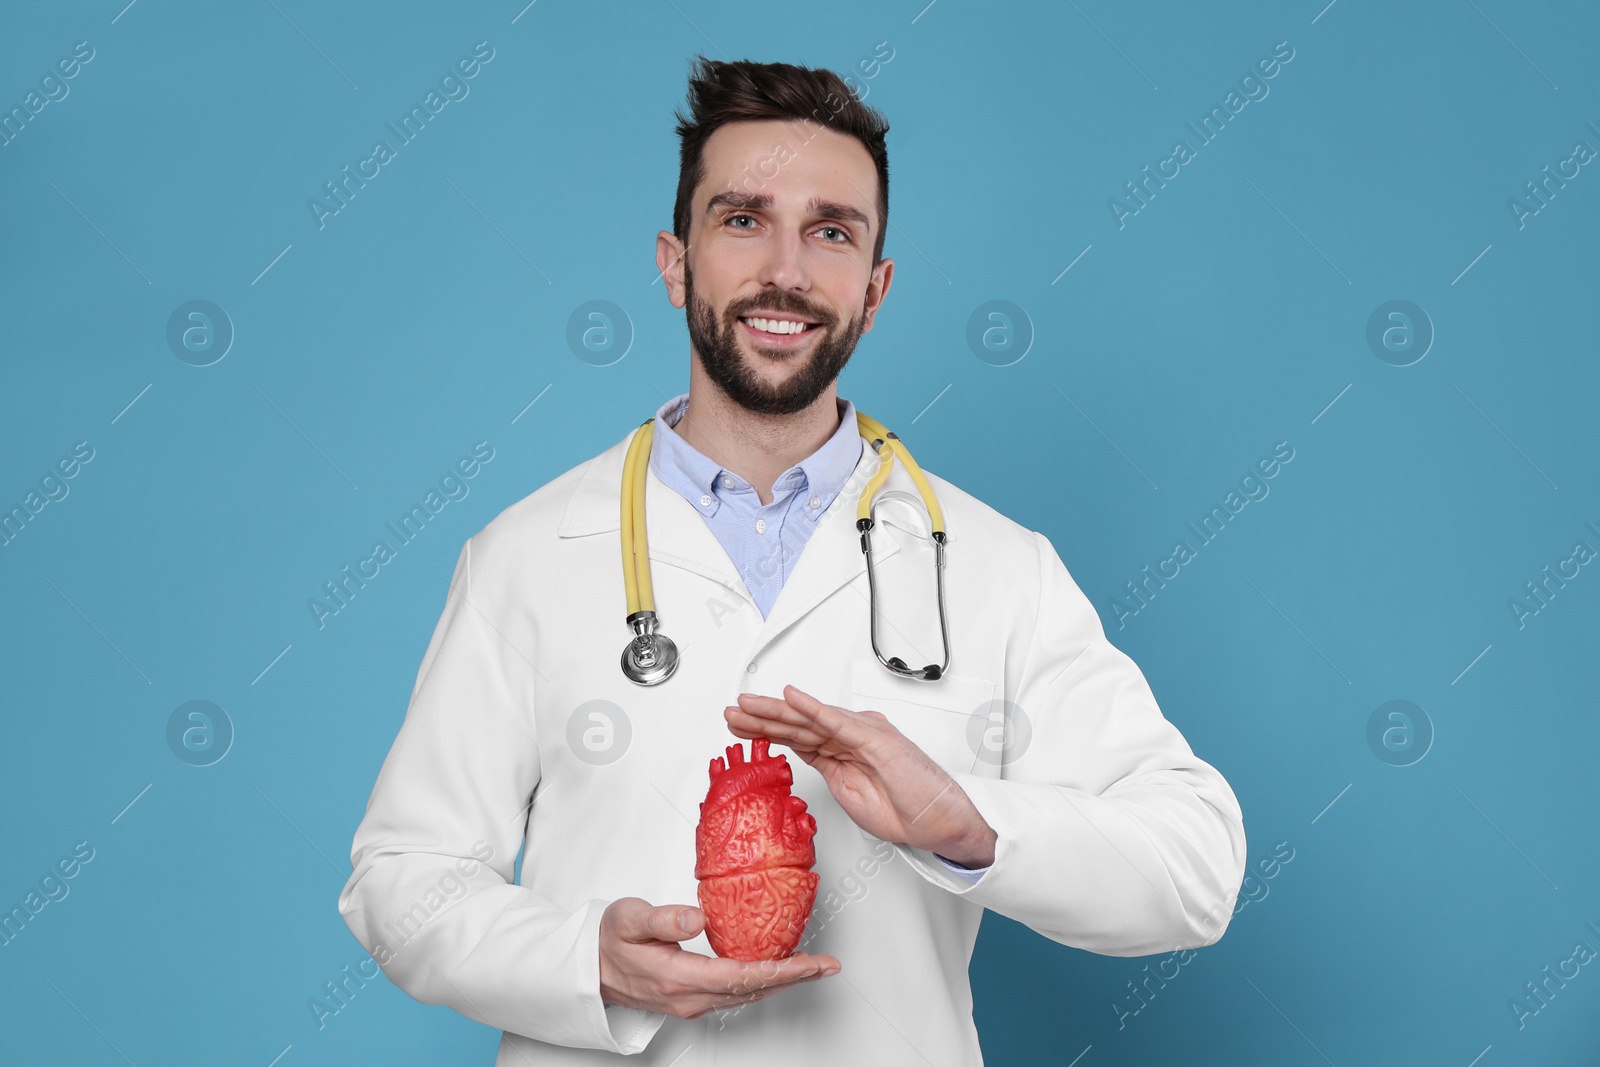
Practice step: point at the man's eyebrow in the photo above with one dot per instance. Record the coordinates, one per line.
(833, 210)
(761, 201)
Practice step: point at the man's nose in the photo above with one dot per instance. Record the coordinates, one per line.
(784, 264)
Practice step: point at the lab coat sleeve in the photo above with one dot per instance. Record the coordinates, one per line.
(1112, 836)
(432, 893)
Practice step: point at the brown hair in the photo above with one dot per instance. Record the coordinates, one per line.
(741, 91)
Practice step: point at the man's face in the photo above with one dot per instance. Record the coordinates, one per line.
(778, 276)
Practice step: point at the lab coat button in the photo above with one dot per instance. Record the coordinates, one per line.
(752, 668)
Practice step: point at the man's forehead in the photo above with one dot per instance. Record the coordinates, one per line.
(787, 164)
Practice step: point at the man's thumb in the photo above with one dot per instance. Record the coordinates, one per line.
(689, 921)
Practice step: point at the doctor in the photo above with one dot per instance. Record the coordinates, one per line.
(1036, 777)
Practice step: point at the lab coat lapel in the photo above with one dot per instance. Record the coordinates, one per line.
(677, 534)
(832, 557)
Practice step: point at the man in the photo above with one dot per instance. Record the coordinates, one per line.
(1036, 777)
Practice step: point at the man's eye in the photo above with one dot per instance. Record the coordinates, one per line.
(731, 218)
(844, 235)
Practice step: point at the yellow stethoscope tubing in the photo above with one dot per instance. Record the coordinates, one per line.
(876, 433)
(635, 540)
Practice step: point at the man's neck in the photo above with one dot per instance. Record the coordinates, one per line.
(756, 447)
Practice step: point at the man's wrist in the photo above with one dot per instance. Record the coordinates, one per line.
(974, 854)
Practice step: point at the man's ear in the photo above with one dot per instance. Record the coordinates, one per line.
(669, 260)
(877, 289)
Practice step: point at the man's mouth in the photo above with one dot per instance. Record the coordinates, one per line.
(776, 329)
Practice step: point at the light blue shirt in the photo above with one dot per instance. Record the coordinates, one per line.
(763, 540)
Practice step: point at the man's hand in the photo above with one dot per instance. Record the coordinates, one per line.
(641, 965)
(889, 786)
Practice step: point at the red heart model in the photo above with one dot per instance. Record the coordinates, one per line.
(753, 857)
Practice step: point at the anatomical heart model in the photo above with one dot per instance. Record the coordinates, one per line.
(753, 857)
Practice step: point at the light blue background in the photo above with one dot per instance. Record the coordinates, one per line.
(1226, 316)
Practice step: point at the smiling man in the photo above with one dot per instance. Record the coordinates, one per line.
(789, 241)
(1027, 770)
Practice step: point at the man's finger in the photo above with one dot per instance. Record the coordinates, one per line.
(717, 974)
(768, 990)
(840, 723)
(775, 709)
(760, 726)
(804, 710)
(666, 923)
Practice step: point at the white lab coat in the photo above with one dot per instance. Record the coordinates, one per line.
(1112, 835)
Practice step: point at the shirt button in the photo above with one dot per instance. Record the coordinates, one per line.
(727, 481)
(761, 526)
(705, 502)
(815, 502)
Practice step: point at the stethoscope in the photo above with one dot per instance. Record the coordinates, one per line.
(651, 657)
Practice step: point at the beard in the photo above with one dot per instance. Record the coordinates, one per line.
(725, 364)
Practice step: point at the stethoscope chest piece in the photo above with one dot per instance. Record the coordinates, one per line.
(650, 657)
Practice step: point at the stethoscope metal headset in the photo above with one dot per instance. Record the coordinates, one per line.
(651, 657)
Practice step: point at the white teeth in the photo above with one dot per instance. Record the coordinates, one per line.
(776, 325)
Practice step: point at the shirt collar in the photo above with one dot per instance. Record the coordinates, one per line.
(697, 476)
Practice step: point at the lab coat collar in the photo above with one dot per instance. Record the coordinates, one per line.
(679, 535)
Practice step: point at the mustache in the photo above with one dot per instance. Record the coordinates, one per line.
(782, 304)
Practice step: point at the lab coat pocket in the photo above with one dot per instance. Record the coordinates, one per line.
(944, 718)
